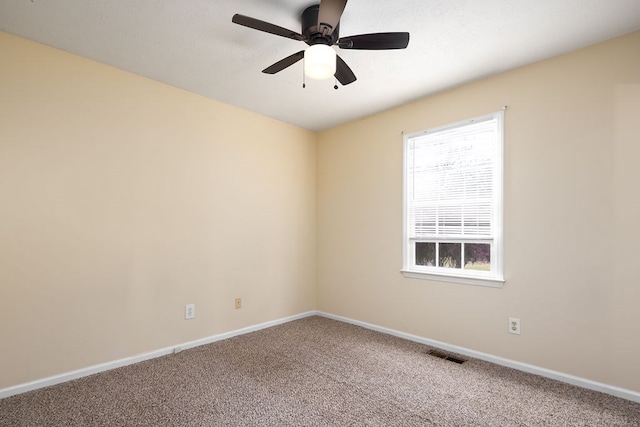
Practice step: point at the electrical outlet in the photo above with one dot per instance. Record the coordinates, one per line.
(514, 325)
(189, 311)
(238, 303)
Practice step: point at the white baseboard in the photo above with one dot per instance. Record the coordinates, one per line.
(68, 376)
(566, 378)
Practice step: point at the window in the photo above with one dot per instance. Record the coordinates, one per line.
(453, 202)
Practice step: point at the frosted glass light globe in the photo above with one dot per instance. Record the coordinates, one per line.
(319, 61)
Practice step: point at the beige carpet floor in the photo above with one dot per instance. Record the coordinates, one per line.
(314, 372)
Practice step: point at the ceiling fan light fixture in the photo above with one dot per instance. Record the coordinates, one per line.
(319, 62)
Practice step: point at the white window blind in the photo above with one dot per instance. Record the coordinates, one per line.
(451, 187)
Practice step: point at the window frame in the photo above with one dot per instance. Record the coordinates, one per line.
(495, 277)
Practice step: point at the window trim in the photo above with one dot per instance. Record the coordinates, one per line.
(467, 277)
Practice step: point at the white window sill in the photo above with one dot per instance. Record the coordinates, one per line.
(465, 280)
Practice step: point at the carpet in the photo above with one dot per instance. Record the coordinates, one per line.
(315, 372)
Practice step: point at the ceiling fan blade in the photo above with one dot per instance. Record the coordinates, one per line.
(329, 14)
(375, 41)
(267, 27)
(284, 63)
(343, 73)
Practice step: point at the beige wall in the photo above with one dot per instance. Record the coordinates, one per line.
(571, 218)
(122, 200)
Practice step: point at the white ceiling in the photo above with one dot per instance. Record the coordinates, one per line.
(194, 45)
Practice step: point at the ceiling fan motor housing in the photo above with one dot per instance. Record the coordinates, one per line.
(314, 34)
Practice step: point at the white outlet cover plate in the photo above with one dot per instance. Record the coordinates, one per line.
(189, 311)
(514, 325)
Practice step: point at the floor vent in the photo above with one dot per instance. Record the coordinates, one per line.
(445, 356)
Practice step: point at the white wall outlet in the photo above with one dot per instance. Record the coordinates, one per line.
(189, 311)
(514, 325)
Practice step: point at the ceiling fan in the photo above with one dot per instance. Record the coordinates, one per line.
(320, 30)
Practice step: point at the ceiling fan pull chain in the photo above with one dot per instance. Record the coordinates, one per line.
(335, 84)
(304, 76)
